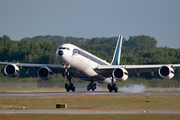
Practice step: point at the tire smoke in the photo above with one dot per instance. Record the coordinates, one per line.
(135, 88)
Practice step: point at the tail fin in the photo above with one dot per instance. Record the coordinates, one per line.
(117, 52)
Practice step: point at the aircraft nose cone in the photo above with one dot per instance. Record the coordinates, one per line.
(60, 53)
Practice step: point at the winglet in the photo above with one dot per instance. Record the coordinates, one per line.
(117, 52)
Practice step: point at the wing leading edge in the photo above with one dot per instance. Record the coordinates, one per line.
(108, 69)
(56, 68)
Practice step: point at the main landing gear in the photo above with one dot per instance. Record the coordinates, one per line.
(91, 86)
(112, 86)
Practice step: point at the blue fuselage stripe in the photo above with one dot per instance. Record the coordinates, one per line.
(91, 58)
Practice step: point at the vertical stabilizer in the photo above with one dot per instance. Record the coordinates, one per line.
(117, 52)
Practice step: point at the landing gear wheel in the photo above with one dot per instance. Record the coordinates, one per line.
(69, 87)
(66, 86)
(109, 85)
(91, 86)
(88, 87)
(93, 89)
(73, 89)
(94, 86)
(116, 89)
(112, 87)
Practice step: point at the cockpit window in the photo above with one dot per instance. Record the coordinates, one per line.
(64, 48)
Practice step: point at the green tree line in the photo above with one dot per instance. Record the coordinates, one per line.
(41, 49)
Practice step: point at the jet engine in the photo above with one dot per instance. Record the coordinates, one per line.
(120, 74)
(11, 70)
(166, 72)
(45, 73)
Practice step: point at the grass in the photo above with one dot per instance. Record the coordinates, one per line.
(100, 116)
(94, 102)
(44, 89)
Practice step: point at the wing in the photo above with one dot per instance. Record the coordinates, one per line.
(106, 70)
(53, 67)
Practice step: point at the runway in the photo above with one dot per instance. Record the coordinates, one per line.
(89, 111)
(81, 93)
(84, 93)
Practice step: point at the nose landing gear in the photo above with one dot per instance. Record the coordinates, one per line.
(68, 86)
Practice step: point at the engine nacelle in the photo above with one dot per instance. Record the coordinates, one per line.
(45, 73)
(120, 74)
(11, 70)
(166, 72)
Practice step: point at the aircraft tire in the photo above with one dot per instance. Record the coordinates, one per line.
(93, 87)
(67, 90)
(109, 85)
(66, 86)
(73, 89)
(110, 90)
(116, 89)
(88, 87)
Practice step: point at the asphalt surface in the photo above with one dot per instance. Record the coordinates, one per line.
(89, 111)
(81, 93)
(84, 93)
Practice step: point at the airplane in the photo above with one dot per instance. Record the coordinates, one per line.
(78, 63)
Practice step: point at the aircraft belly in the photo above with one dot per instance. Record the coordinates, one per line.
(85, 72)
(81, 75)
(94, 77)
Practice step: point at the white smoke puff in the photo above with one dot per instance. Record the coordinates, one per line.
(98, 88)
(133, 88)
(79, 87)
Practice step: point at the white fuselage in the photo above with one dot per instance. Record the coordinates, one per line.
(82, 63)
